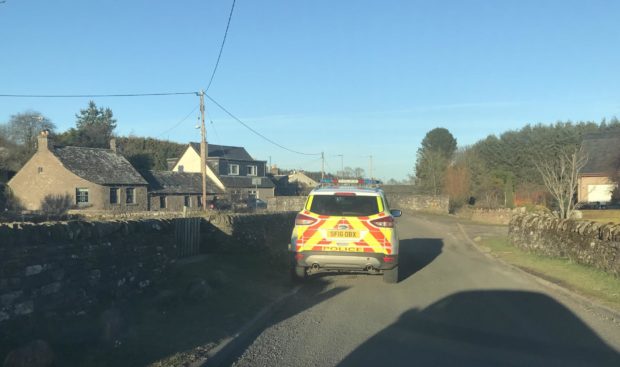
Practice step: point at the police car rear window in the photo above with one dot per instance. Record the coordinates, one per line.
(352, 206)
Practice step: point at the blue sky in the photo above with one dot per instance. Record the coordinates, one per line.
(356, 78)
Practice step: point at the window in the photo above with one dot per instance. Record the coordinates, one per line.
(162, 202)
(354, 206)
(252, 171)
(39, 169)
(181, 168)
(81, 196)
(114, 195)
(233, 169)
(186, 201)
(130, 197)
(199, 201)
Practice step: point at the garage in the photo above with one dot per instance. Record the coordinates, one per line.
(600, 193)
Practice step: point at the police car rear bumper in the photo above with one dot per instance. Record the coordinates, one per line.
(332, 260)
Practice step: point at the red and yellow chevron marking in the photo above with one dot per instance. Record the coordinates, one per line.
(371, 239)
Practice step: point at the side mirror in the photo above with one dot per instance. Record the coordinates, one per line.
(396, 213)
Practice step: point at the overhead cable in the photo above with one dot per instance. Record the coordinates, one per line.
(95, 95)
(256, 132)
(219, 56)
(179, 123)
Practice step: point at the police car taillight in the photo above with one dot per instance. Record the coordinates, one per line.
(385, 222)
(304, 220)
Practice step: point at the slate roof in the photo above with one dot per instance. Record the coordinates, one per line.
(101, 166)
(225, 151)
(316, 176)
(167, 182)
(245, 181)
(603, 154)
(171, 162)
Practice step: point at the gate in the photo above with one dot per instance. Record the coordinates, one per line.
(187, 235)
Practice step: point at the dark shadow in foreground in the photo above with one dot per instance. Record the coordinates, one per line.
(487, 328)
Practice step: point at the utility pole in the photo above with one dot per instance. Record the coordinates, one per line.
(371, 167)
(322, 165)
(203, 150)
(341, 164)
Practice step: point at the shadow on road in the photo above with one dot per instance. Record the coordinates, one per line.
(487, 328)
(417, 253)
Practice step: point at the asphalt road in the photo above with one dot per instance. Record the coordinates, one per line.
(453, 307)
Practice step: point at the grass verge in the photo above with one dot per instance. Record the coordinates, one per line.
(602, 287)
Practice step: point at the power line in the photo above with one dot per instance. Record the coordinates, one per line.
(95, 95)
(180, 122)
(256, 132)
(219, 56)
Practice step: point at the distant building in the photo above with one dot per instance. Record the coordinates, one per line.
(94, 179)
(171, 191)
(231, 169)
(597, 177)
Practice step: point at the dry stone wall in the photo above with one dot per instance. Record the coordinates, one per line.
(286, 203)
(428, 203)
(403, 201)
(65, 268)
(69, 269)
(588, 243)
(494, 216)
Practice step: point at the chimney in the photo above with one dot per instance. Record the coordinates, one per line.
(113, 145)
(43, 143)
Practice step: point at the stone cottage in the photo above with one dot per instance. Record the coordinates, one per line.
(94, 179)
(171, 191)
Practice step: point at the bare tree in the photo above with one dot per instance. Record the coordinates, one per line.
(560, 176)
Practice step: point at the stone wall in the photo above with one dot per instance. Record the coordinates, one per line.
(588, 243)
(286, 203)
(67, 269)
(427, 203)
(397, 200)
(493, 216)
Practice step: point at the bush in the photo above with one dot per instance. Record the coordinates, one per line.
(3, 196)
(8, 202)
(56, 204)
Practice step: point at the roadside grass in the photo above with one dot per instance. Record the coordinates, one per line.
(176, 326)
(602, 216)
(584, 280)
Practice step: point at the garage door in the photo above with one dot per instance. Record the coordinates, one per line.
(600, 193)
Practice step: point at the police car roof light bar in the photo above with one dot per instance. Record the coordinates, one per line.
(349, 182)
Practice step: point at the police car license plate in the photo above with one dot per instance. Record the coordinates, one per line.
(338, 233)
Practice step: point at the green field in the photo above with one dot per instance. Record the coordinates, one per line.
(603, 216)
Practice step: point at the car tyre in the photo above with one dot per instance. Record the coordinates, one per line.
(391, 275)
(299, 273)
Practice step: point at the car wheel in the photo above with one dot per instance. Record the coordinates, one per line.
(298, 273)
(391, 275)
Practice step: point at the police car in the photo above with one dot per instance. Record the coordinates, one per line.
(346, 225)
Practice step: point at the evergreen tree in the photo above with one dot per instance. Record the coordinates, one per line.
(94, 127)
(438, 147)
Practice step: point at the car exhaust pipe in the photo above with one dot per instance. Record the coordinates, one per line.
(315, 266)
(369, 268)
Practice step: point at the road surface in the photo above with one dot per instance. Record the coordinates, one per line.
(453, 307)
